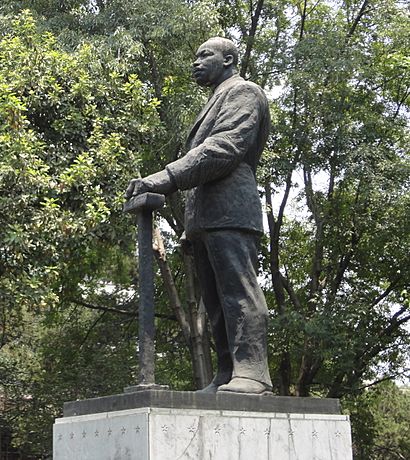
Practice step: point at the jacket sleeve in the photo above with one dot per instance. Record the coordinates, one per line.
(233, 133)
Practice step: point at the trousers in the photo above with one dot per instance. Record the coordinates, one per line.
(226, 265)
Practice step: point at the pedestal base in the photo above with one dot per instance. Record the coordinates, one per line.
(160, 433)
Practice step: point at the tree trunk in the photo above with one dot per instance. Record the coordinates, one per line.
(277, 283)
(251, 38)
(192, 319)
(201, 356)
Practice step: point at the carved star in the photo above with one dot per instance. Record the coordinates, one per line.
(97, 433)
(291, 432)
(217, 429)
(71, 435)
(137, 429)
(109, 432)
(191, 429)
(164, 429)
(123, 430)
(315, 434)
(242, 431)
(84, 434)
(267, 432)
(338, 434)
(60, 437)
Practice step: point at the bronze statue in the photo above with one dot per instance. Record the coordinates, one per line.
(223, 216)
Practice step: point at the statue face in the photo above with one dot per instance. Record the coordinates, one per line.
(210, 65)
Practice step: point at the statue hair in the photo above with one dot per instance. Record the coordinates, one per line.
(227, 47)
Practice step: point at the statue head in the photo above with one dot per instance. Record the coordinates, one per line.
(216, 60)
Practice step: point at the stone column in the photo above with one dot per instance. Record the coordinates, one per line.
(143, 206)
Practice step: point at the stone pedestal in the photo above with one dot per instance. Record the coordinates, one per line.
(148, 426)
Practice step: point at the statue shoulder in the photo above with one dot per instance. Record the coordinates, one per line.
(247, 86)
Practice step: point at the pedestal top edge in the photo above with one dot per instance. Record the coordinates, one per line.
(194, 400)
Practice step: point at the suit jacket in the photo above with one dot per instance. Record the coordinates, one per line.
(224, 147)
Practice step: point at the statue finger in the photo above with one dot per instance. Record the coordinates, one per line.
(130, 189)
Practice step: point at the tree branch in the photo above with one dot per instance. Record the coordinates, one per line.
(346, 258)
(202, 360)
(85, 304)
(366, 355)
(159, 251)
(277, 282)
(274, 235)
(91, 328)
(387, 291)
(303, 19)
(357, 20)
(251, 37)
(291, 293)
(376, 382)
(401, 102)
(317, 261)
(118, 311)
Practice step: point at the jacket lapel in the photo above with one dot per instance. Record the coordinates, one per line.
(201, 116)
(211, 101)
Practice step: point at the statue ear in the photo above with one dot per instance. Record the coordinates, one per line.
(228, 60)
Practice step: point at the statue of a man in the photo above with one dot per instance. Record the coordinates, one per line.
(223, 217)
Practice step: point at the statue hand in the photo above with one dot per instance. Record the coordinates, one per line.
(136, 187)
(160, 182)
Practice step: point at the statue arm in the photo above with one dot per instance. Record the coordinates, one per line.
(233, 134)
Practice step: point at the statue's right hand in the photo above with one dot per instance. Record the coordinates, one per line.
(159, 182)
(135, 187)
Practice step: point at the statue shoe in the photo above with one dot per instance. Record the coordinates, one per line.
(242, 385)
(211, 388)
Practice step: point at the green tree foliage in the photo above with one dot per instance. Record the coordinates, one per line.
(72, 128)
(381, 423)
(337, 260)
(77, 124)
